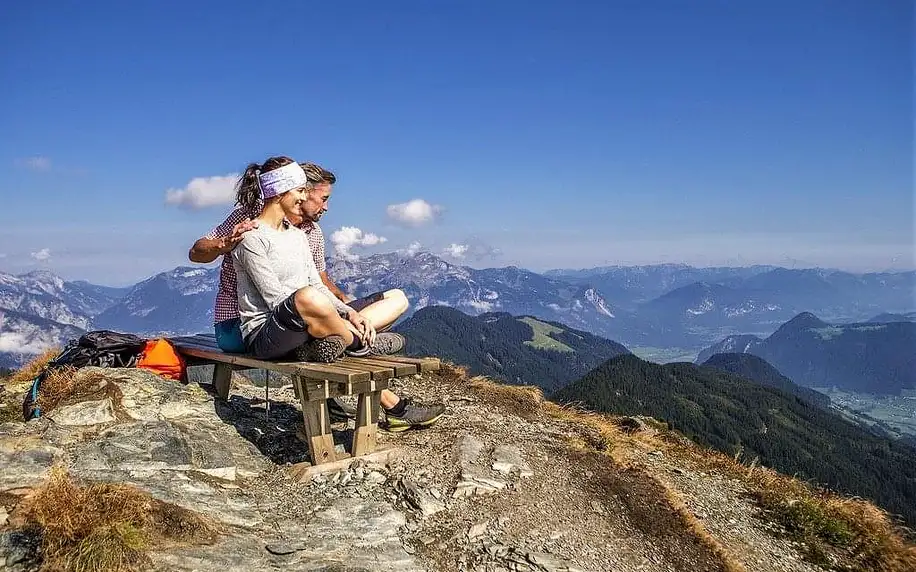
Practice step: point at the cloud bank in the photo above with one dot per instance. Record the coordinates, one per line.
(203, 192)
(346, 238)
(41, 255)
(416, 212)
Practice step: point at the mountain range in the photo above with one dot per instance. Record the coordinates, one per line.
(661, 306)
(519, 350)
(868, 357)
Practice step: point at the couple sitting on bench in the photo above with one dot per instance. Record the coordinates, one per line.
(275, 298)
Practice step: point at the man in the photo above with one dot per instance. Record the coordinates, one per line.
(380, 309)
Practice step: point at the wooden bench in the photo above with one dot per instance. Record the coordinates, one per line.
(314, 384)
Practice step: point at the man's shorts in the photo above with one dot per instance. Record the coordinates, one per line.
(284, 331)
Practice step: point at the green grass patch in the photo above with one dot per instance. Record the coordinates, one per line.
(542, 339)
(663, 355)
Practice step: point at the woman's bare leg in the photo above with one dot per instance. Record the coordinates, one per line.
(320, 316)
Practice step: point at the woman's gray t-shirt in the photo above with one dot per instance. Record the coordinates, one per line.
(272, 264)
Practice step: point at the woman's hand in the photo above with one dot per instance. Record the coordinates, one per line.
(363, 326)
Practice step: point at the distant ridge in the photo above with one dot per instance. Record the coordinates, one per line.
(520, 350)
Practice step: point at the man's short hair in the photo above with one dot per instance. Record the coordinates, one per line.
(317, 174)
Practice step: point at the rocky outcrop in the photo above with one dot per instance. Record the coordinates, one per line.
(489, 488)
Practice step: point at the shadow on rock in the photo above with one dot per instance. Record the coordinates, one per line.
(272, 431)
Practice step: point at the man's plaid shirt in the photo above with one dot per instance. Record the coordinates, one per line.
(227, 302)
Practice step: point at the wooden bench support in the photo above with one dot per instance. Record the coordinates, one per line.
(317, 423)
(314, 384)
(222, 379)
(365, 436)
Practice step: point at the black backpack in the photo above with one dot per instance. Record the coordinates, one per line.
(101, 348)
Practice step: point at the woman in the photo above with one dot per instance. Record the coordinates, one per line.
(283, 304)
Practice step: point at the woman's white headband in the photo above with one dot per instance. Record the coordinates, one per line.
(282, 180)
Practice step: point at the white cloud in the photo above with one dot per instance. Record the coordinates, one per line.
(203, 192)
(2, 255)
(346, 238)
(15, 342)
(41, 255)
(36, 163)
(472, 249)
(455, 250)
(413, 248)
(414, 213)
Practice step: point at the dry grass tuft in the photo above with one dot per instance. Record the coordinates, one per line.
(104, 527)
(526, 401)
(837, 532)
(34, 367)
(66, 385)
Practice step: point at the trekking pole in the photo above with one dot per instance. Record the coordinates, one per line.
(267, 395)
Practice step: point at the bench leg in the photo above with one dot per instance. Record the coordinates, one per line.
(222, 379)
(317, 428)
(365, 437)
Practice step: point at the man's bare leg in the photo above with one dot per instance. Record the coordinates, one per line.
(386, 311)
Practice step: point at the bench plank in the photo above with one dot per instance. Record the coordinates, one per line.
(400, 368)
(425, 364)
(317, 390)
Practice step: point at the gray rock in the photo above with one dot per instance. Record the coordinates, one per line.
(18, 551)
(477, 530)
(472, 483)
(84, 413)
(469, 449)
(508, 458)
(418, 498)
(348, 536)
(26, 461)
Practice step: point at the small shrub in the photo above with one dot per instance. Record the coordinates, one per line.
(104, 527)
(34, 367)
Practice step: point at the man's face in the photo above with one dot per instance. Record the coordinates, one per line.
(316, 202)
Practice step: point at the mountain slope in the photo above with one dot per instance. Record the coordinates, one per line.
(733, 415)
(861, 357)
(740, 343)
(23, 336)
(176, 302)
(45, 295)
(520, 350)
(889, 317)
(759, 371)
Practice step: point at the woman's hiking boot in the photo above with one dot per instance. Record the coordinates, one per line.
(323, 350)
(413, 415)
(385, 344)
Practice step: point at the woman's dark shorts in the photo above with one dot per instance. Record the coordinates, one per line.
(284, 331)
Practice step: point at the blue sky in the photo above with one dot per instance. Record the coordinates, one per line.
(540, 134)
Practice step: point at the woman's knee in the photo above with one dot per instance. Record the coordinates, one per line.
(311, 302)
(398, 295)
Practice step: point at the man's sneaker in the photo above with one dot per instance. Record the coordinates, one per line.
(323, 350)
(339, 410)
(385, 344)
(415, 415)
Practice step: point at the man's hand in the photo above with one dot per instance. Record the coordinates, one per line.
(238, 231)
(363, 326)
